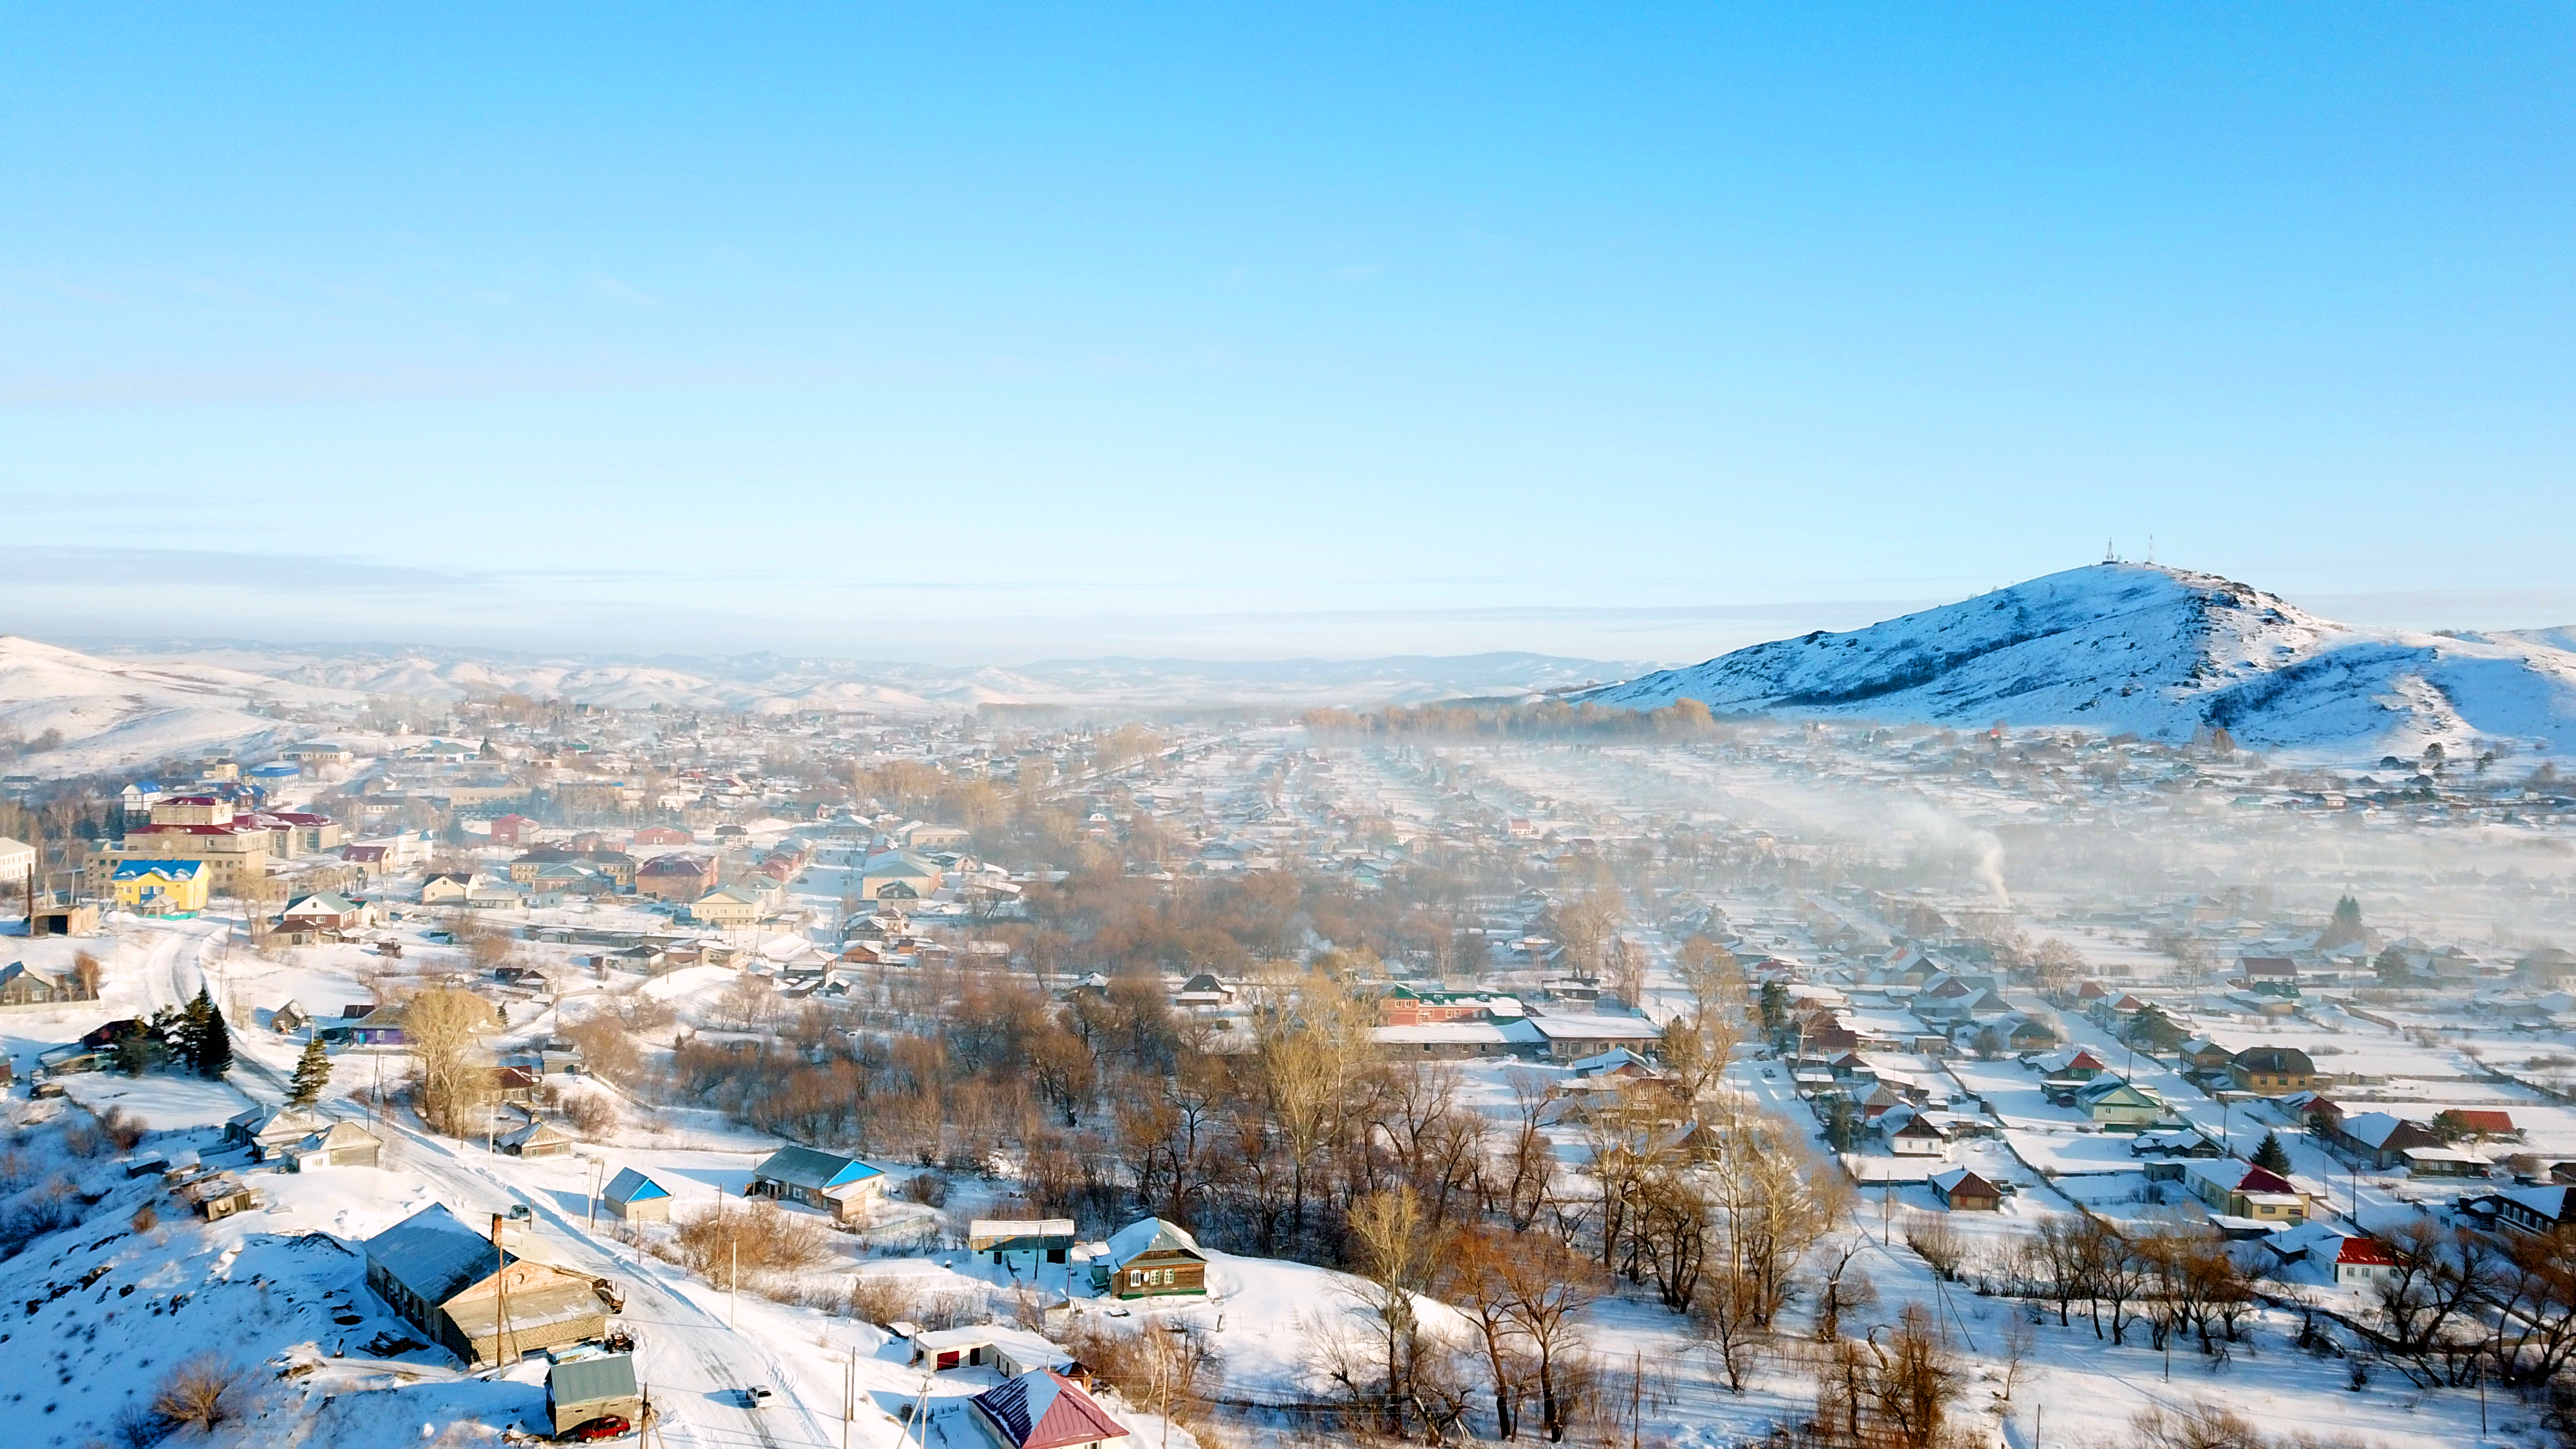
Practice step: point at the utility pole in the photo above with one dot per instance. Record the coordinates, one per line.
(598, 1168)
(733, 1294)
(500, 1295)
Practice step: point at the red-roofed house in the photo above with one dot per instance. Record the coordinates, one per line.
(2364, 1261)
(2479, 1121)
(512, 829)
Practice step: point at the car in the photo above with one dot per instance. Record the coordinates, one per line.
(606, 1426)
(755, 1395)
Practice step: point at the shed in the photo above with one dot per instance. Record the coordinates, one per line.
(635, 1198)
(583, 1387)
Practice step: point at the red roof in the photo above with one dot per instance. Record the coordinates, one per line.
(2367, 1252)
(2263, 1179)
(2483, 1120)
(1045, 1410)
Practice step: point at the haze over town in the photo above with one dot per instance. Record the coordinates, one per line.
(1051, 730)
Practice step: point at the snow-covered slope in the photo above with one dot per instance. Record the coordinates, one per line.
(2160, 652)
(111, 712)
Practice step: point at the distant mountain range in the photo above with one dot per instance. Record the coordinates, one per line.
(2159, 652)
(134, 704)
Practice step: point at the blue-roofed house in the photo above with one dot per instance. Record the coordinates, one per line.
(632, 1196)
(833, 1182)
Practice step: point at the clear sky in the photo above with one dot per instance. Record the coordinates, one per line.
(962, 333)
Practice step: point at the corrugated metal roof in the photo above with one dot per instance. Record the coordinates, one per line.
(434, 1255)
(588, 1380)
(632, 1186)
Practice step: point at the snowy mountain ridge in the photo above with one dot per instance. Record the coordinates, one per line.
(2155, 651)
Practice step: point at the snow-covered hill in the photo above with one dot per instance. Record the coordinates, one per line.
(2160, 652)
(773, 684)
(103, 713)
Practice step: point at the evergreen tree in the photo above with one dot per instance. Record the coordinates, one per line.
(214, 1043)
(2391, 967)
(186, 1031)
(2272, 1156)
(2345, 928)
(312, 1074)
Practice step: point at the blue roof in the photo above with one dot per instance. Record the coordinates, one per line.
(165, 869)
(151, 786)
(632, 1186)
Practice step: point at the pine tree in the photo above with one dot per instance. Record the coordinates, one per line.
(214, 1043)
(2272, 1156)
(188, 1036)
(2345, 928)
(312, 1074)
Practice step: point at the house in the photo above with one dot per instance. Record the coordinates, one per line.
(371, 863)
(659, 837)
(17, 861)
(2363, 1263)
(1962, 1191)
(2480, 1122)
(1021, 1244)
(161, 887)
(290, 1018)
(2379, 1138)
(494, 895)
(2274, 1071)
(514, 830)
(446, 888)
(323, 911)
(1010, 1352)
(20, 986)
(453, 1283)
(342, 1144)
(583, 1388)
(2237, 1189)
(675, 877)
(1573, 1037)
(269, 1131)
(2114, 1103)
(2540, 1211)
(2070, 1066)
(635, 1198)
(535, 1139)
(725, 906)
(1044, 1410)
(828, 1181)
(1150, 1258)
(1915, 1135)
(898, 875)
(2267, 971)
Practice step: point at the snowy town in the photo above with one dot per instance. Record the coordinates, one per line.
(544, 1070)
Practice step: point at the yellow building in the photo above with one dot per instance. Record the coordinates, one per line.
(161, 887)
(725, 907)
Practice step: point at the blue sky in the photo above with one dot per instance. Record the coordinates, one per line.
(962, 333)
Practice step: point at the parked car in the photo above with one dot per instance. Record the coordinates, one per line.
(755, 1395)
(607, 1426)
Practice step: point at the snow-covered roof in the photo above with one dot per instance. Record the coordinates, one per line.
(1147, 1235)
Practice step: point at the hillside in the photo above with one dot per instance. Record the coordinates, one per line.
(111, 712)
(2155, 651)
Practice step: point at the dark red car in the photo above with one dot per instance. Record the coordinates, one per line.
(607, 1426)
